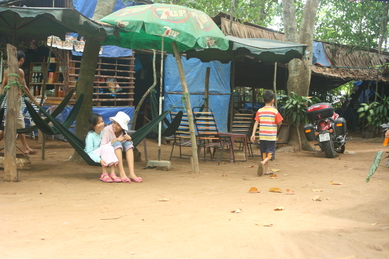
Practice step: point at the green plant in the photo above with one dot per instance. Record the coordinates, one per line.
(293, 108)
(374, 114)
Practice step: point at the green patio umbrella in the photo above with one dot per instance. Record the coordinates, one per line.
(170, 28)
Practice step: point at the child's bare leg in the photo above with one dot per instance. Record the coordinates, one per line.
(261, 168)
(130, 163)
(265, 163)
(119, 155)
(112, 169)
(104, 170)
(26, 148)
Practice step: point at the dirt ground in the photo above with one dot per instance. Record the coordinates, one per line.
(60, 209)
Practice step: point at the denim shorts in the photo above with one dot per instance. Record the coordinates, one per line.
(126, 145)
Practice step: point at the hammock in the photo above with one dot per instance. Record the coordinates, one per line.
(79, 145)
(45, 127)
(171, 126)
(55, 113)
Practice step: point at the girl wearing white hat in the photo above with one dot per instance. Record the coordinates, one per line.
(103, 154)
(116, 134)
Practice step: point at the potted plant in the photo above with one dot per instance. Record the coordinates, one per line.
(293, 109)
(373, 115)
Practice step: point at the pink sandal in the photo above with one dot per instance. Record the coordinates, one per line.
(137, 180)
(126, 180)
(105, 178)
(115, 179)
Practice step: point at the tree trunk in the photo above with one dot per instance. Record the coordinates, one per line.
(103, 8)
(384, 25)
(300, 70)
(86, 77)
(10, 170)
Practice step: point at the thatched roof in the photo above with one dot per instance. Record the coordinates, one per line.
(348, 63)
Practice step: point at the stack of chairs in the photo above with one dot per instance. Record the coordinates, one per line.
(242, 123)
(207, 133)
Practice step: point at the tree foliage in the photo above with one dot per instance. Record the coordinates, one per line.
(356, 23)
(260, 12)
(352, 23)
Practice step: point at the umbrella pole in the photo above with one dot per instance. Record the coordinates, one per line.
(160, 102)
(195, 159)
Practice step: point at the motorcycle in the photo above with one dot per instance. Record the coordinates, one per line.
(326, 127)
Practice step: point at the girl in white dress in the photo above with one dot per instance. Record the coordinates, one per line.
(103, 154)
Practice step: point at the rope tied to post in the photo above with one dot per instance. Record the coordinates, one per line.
(13, 82)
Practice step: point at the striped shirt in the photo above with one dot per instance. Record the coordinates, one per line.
(268, 117)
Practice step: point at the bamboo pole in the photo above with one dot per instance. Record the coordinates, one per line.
(206, 92)
(10, 170)
(275, 84)
(195, 163)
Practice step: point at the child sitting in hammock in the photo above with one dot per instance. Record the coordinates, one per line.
(103, 154)
(116, 135)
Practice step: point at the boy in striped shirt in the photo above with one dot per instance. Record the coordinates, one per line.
(267, 119)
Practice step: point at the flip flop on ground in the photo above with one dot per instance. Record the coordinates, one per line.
(137, 179)
(115, 179)
(105, 178)
(126, 180)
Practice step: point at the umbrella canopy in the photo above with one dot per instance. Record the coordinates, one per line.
(170, 28)
(261, 49)
(142, 27)
(42, 22)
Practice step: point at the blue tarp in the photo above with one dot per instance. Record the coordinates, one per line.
(319, 56)
(87, 8)
(195, 72)
(105, 112)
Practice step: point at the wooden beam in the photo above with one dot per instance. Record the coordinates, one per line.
(10, 170)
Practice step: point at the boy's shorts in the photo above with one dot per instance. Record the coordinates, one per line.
(267, 147)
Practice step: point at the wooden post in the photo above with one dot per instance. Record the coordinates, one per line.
(275, 84)
(195, 164)
(10, 170)
(232, 86)
(206, 92)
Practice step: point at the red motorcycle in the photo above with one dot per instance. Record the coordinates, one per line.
(327, 128)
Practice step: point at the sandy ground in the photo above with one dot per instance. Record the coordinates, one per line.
(61, 210)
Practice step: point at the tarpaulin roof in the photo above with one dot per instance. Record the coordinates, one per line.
(42, 22)
(261, 49)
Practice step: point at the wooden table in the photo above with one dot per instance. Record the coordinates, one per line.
(233, 137)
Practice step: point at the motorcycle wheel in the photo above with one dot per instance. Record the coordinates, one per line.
(328, 148)
(341, 149)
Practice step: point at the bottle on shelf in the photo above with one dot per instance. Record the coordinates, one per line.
(33, 78)
(61, 92)
(37, 90)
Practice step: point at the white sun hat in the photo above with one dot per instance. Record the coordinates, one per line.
(121, 118)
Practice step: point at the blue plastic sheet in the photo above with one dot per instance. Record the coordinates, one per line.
(319, 56)
(87, 8)
(195, 72)
(105, 112)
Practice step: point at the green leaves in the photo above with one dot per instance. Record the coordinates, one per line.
(374, 165)
(375, 113)
(293, 108)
